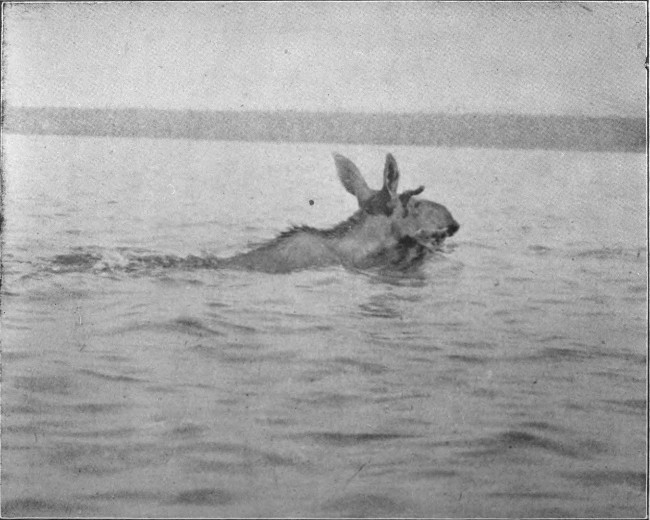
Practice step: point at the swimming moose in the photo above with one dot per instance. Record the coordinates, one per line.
(388, 230)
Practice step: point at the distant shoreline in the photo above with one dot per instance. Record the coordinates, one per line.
(613, 134)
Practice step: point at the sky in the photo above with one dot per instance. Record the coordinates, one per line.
(559, 58)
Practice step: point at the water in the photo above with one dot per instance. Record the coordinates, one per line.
(506, 378)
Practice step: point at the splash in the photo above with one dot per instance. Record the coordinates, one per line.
(122, 260)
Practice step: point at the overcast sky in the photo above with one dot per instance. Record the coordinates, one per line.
(533, 58)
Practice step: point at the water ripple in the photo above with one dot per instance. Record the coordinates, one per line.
(634, 479)
(363, 366)
(203, 497)
(368, 505)
(474, 360)
(110, 377)
(45, 384)
(27, 507)
(353, 439)
(502, 443)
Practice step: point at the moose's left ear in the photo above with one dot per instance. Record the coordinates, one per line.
(391, 175)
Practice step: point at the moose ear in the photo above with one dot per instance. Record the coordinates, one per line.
(352, 179)
(391, 175)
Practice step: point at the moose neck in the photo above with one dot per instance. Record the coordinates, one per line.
(360, 237)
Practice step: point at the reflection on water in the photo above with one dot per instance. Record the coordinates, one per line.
(507, 377)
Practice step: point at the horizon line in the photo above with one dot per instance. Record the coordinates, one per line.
(6, 107)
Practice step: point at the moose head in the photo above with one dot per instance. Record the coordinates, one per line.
(416, 224)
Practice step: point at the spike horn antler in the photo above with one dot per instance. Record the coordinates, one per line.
(406, 196)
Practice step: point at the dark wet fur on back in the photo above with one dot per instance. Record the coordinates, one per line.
(338, 231)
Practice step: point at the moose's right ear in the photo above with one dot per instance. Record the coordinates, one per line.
(352, 179)
(391, 175)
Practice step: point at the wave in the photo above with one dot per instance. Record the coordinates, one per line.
(611, 253)
(124, 260)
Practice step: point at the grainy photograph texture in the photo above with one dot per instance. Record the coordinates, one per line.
(324, 259)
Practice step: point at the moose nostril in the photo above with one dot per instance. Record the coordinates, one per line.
(452, 228)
